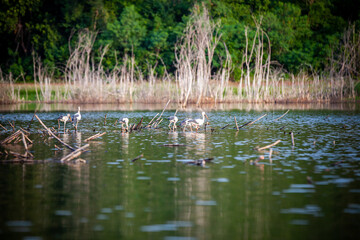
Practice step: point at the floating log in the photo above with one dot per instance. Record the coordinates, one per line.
(138, 126)
(174, 145)
(75, 153)
(158, 123)
(3, 127)
(19, 155)
(131, 128)
(252, 122)
(163, 110)
(137, 158)
(52, 134)
(27, 153)
(19, 158)
(27, 138)
(149, 124)
(269, 146)
(292, 138)
(200, 162)
(12, 125)
(32, 119)
(81, 160)
(159, 119)
(282, 115)
(105, 120)
(19, 136)
(57, 147)
(257, 119)
(309, 180)
(16, 137)
(11, 137)
(95, 136)
(24, 131)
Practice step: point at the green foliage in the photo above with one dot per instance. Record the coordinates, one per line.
(357, 89)
(302, 33)
(129, 30)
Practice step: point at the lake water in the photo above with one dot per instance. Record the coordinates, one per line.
(307, 191)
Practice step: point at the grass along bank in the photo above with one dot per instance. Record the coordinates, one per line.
(195, 78)
(298, 89)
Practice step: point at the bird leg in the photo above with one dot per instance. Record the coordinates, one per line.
(58, 124)
(64, 126)
(169, 126)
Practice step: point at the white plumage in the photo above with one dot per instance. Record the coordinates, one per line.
(77, 118)
(173, 119)
(64, 119)
(124, 121)
(194, 122)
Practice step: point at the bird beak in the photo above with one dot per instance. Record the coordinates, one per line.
(207, 117)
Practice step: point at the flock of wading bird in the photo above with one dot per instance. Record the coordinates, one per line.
(23, 135)
(188, 122)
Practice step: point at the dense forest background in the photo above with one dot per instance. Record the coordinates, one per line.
(304, 33)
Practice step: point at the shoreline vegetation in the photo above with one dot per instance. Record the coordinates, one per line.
(195, 79)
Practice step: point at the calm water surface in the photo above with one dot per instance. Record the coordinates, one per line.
(307, 191)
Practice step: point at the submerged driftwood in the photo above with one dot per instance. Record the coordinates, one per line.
(269, 146)
(200, 162)
(237, 127)
(174, 145)
(137, 158)
(3, 127)
(252, 122)
(138, 126)
(292, 139)
(282, 115)
(95, 136)
(18, 136)
(52, 134)
(149, 124)
(32, 119)
(74, 154)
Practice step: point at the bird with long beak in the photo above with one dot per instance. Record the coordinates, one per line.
(185, 123)
(76, 118)
(199, 121)
(124, 121)
(64, 119)
(173, 119)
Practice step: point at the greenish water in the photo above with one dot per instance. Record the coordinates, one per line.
(160, 196)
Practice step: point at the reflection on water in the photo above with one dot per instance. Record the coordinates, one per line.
(310, 190)
(125, 142)
(44, 107)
